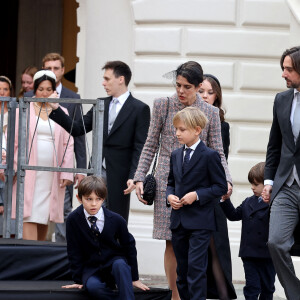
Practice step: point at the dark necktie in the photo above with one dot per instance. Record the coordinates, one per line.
(94, 227)
(186, 159)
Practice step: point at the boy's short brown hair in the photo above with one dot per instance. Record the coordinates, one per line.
(256, 173)
(191, 117)
(92, 184)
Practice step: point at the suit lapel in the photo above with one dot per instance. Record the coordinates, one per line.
(195, 157)
(123, 114)
(256, 206)
(83, 223)
(62, 93)
(179, 160)
(286, 111)
(107, 222)
(106, 112)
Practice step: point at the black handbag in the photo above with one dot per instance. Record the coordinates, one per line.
(149, 184)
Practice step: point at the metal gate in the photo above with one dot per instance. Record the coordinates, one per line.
(23, 104)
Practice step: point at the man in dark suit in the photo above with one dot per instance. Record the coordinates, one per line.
(282, 172)
(55, 63)
(126, 122)
(196, 179)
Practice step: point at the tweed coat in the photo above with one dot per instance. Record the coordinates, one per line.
(210, 135)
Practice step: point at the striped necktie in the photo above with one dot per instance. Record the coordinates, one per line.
(94, 226)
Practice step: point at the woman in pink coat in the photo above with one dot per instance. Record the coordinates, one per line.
(44, 191)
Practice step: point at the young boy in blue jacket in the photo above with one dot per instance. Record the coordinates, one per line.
(101, 251)
(254, 213)
(195, 180)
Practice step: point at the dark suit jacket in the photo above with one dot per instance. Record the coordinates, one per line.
(88, 254)
(79, 142)
(121, 147)
(282, 152)
(205, 175)
(255, 225)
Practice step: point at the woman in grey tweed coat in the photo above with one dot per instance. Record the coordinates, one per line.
(188, 80)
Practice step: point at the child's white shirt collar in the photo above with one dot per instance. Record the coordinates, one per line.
(194, 146)
(100, 218)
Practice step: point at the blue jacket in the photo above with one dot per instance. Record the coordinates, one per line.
(88, 254)
(206, 176)
(255, 225)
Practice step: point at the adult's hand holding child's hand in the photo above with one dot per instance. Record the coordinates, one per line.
(266, 193)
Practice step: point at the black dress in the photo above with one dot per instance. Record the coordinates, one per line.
(221, 238)
(225, 137)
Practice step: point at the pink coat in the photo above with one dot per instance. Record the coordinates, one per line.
(57, 193)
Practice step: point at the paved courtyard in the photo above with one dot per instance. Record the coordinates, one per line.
(161, 282)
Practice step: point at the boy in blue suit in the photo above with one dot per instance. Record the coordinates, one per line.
(254, 213)
(101, 251)
(196, 178)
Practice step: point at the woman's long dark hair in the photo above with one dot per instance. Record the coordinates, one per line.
(216, 87)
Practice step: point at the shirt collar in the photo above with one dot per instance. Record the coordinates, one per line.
(194, 146)
(123, 97)
(98, 215)
(59, 88)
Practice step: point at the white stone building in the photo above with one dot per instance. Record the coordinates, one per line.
(239, 41)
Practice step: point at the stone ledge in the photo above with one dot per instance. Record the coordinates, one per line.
(178, 11)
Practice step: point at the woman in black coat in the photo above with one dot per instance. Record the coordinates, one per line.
(220, 274)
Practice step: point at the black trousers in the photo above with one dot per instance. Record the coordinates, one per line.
(260, 278)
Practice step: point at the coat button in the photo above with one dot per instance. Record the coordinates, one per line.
(99, 253)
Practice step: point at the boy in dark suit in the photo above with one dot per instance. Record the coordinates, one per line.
(196, 178)
(101, 251)
(254, 213)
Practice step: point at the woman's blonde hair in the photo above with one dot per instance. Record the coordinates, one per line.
(191, 117)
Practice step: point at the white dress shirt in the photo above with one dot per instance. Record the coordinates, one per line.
(121, 101)
(58, 89)
(100, 218)
(193, 148)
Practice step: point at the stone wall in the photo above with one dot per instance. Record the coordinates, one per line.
(239, 41)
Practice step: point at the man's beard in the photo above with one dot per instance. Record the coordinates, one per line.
(293, 85)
